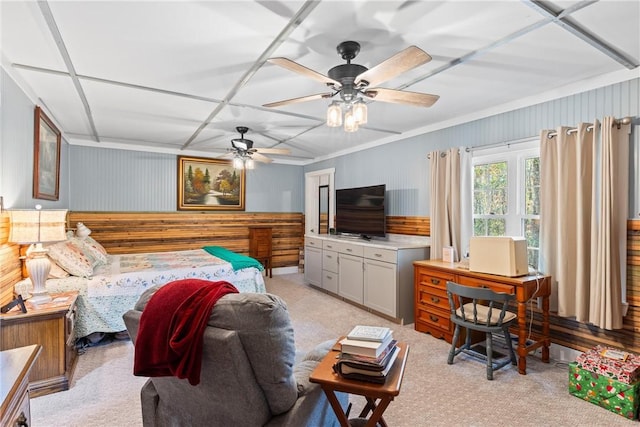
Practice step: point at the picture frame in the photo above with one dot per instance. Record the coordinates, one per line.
(46, 157)
(210, 184)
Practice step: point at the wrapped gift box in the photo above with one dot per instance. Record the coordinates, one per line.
(626, 371)
(604, 391)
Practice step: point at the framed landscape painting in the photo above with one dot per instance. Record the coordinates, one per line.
(209, 184)
(46, 158)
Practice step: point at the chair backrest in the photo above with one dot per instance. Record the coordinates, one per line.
(483, 308)
(247, 366)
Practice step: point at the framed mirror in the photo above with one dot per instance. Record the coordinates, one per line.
(323, 209)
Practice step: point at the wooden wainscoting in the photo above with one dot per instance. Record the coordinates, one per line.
(137, 232)
(10, 264)
(411, 225)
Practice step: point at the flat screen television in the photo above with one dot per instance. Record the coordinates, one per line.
(361, 211)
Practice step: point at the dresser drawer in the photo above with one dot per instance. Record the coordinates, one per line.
(330, 281)
(433, 296)
(313, 242)
(385, 255)
(330, 245)
(497, 287)
(350, 249)
(435, 318)
(330, 261)
(434, 278)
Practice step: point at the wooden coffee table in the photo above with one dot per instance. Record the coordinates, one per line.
(378, 395)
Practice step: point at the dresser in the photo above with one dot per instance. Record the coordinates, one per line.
(14, 393)
(432, 311)
(50, 326)
(375, 275)
(260, 246)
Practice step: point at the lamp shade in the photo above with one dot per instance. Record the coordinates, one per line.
(37, 226)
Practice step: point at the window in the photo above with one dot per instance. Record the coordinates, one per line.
(506, 195)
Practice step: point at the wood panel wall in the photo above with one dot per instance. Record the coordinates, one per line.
(127, 232)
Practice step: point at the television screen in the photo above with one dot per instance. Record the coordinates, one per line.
(361, 211)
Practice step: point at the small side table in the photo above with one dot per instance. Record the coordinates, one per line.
(378, 396)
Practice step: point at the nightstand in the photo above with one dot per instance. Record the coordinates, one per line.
(260, 246)
(50, 325)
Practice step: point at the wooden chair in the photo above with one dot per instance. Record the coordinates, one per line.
(481, 309)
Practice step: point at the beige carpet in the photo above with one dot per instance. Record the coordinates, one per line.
(105, 393)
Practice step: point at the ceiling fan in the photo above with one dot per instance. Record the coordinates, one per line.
(351, 80)
(242, 149)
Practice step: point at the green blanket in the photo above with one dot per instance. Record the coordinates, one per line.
(238, 261)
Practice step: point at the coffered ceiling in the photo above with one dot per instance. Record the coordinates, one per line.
(179, 76)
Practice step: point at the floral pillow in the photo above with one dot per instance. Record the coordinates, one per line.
(56, 271)
(91, 250)
(68, 256)
(97, 247)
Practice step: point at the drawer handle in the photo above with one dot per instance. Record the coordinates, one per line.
(329, 256)
(349, 250)
(378, 255)
(433, 318)
(435, 281)
(329, 277)
(435, 299)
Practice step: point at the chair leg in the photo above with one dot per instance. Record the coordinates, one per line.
(452, 351)
(512, 354)
(489, 356)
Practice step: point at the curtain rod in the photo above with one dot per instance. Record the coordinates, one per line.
(617, 122)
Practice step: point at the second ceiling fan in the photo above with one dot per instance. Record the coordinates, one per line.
(242, 150)
(351, 81)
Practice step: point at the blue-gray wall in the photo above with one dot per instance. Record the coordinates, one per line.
(100, 179)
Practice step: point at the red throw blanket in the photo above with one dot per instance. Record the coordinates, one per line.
(170, 335)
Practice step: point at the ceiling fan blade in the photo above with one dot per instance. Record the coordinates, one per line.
(284, 151)
(402, 61)
(301, 99)
(301, 69)
(402, 97)
(260, 158)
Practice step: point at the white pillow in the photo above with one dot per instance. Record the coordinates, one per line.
(68, 256)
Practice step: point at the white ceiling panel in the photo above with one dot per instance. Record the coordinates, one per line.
(180, 76)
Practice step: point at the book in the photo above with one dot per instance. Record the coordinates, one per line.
(350, 372)
(365, 348)
(369, 333)
(369, 363)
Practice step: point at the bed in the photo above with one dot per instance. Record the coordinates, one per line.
(115, 286)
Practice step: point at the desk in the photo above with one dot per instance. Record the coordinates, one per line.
(385, 393)
(432, 312)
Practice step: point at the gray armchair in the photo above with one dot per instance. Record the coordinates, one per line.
(249, 374)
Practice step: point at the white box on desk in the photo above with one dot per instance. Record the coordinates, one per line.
(501, 255)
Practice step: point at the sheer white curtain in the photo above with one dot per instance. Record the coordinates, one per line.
(450, 207)
(583, 207)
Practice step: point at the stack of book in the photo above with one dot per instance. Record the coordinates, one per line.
(367, 354)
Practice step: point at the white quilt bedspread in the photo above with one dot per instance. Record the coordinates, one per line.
(116, 286)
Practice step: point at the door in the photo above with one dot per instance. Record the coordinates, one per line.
(350, 277)
(380, 286)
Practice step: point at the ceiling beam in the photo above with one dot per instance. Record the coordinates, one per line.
(563, 19)
(297, 19)
(57, 37)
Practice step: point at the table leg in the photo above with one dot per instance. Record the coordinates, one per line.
(545, 329)
(371, 407)
(376, 417)
(337, 408)
(522, 338)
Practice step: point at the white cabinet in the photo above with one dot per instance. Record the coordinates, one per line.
(313, 261)
(350, 277)
(376, 276)
(380, 292)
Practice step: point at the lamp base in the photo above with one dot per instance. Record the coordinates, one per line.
(38, 266)
(41, 298)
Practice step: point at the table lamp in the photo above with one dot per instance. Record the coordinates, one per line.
(34, 227)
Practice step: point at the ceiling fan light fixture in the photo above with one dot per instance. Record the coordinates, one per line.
(350, 123)
(334, 115)
(238, 163)
(249, 163)
(360, 111)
